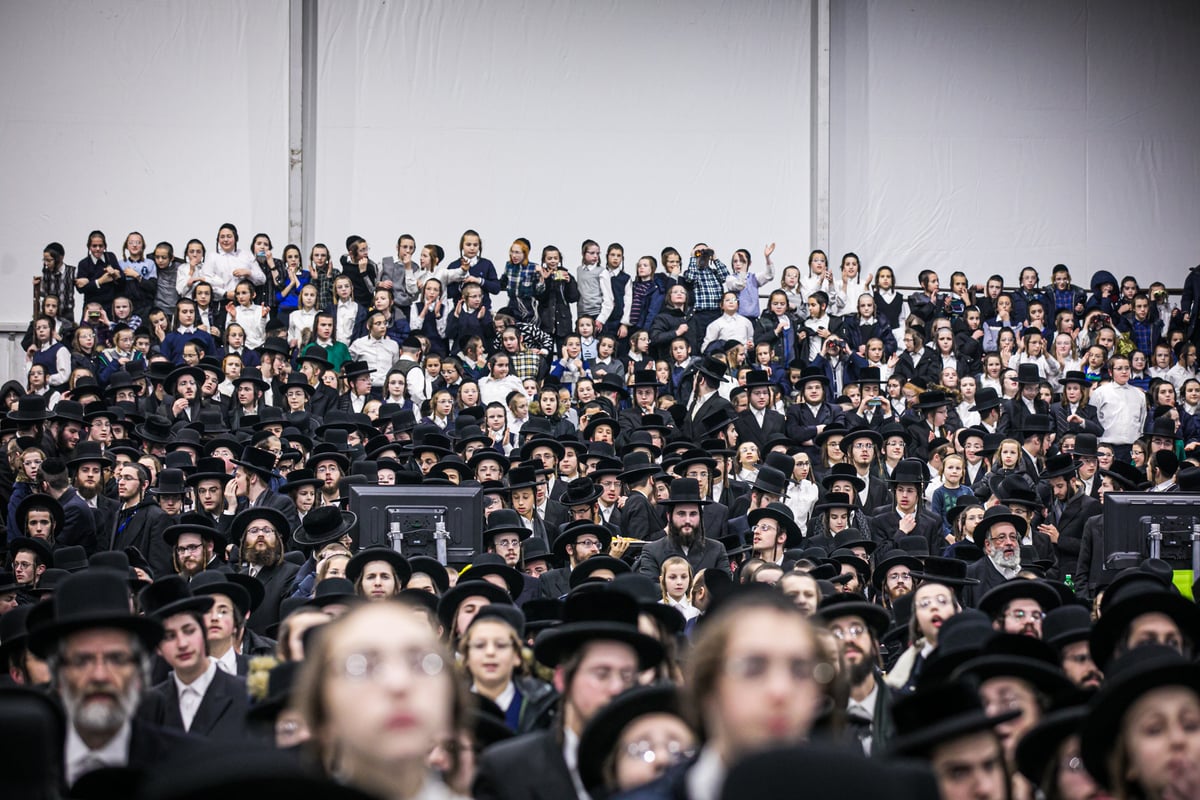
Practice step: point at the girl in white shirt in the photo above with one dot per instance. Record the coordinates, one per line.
(228, 265)
(345, 311)
(675, 580)
(301, 321)
(820, 277)
(250, 315)
(852, 285)
(730, 325)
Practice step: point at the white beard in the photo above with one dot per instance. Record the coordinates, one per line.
(101, 717)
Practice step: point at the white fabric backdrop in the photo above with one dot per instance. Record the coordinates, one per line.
(164, 116)
(651, 124)
(985, 136)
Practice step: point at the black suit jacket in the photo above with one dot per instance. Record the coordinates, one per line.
(222, 712)
(885, 527)
(529, 767)
(79, 523)
(711, 556)
(144, 531)
(749, 430)
(988, 576)
(638, 520)
(802, 423)
(151, 745)
(694, 429)
(277, 583)
(555, 583)
(1078, 509)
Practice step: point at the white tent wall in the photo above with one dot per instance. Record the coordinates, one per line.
(648, 124)
(163, 116)
(984, 136)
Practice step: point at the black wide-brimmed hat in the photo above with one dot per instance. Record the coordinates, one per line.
(199, 524)
(323, 525)
(38, 500)
(505, 520)
(243, 519)
(986, 399)
(843, 472)
(299, 478)
(96, 598)
(491, 564)
(839, 606)
(37, 546)
(170, 482)
(89, 453)
(783, 517)
(583, 573)
(1133, 602)
(946, 571)
(895, 558)
(597, 616)
(1011, 655)
(246, 593)
(1066, 624)
(930, 400)
(209, 469)
(994, 516)
(910, 470)
(1127, 679)
(452, 598)
(602, 733)
(833, 500)
(570, 532)
(432, 568)
(170, 595)
(939, 714)
(994, 601)
(684, 491)
(30, 408)
(1062, 465)
(256, 459)
(362, 558)
(535, 549)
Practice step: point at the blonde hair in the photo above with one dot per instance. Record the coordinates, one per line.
(674, 561)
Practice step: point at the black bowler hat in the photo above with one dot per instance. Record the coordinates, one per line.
(849, 605)
(92, 599)
(603, 731)
(170, 595)
(211, 582)
(323, 525)
(362, 558)
(939, 714)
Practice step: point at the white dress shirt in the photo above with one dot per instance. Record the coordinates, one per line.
(1121, 411)
(379, 354)
(81, 759)
(228, 662)
(191, 694)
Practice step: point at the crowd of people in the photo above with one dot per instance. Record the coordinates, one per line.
(828, 538)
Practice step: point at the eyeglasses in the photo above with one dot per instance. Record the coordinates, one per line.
(184, 549)
(508, 541)
(1004, 537)
(370, 665)
(1021, 615)
(852, 632)
(115, 660)
(606, 674)
(588, 543)
(649, 752)
(864, 446)
(756, 667)
(900, 577)
(261, 529)
(937, 599)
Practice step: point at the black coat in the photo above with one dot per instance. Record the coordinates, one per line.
(1091, 420)
(79, 523)
(144, 530)
(885, 528)
(1078, 509)
(555, 583)
(1089, 575)
(221, 715)
(638, 520)
(529, 767)
(749, 430)
(711, 556)
(277, 582)
(802, 424)
(693, 430)
(988, 576)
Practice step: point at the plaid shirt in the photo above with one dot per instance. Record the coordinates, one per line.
(525, 364)
(707, 284)
(521, 280)
(324, 284)
(1143, 335)
(60, 284)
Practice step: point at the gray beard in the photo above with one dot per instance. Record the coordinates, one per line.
(99, 717)
(1005, 563)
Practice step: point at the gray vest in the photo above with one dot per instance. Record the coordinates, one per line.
(589, 290)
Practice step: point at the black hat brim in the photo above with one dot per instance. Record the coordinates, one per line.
(553, 646)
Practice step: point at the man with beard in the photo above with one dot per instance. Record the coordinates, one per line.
(140, 522)
(65, 429)
(196, 697)
(329, 467)
(89, 464)
(998, 534)
(260, 533)
(196, 545)
(252, 480)
(856, 625)
(892, 578)
(685, 536)
(578, 541)
(1067, 629)
(99, 660)
(79, 525)
(1018, 607)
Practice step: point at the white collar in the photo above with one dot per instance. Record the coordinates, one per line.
(205, 680)
(115, 753)
(868, 702)
(506, 697)
(707, 776)
(228, 662)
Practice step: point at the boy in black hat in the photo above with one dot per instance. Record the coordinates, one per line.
(908, 517)
(759, 423)
(814, 413)
(140, 522)
(1069, 509)
(79, 523)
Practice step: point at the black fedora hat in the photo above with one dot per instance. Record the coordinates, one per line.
(1037, 424)
(946, 571)
(783, 517)
(490, 564)
(431, 568)
(92, 599)
(612, 383)
(37, 546)
(170, 595)
(254, 376)
(584, 572)
(840, 606)
(986, 399)
(995, 599)
(209, 469)
(1127, 679)
(1075, 376)
(30, 408)
(1124, 475)
(1066, 624)
(186, 436)
(71, 558)
(505, 520)
(396, 561)
(852, 537)
(937, 714)
(997, 515)
(831, 501)
(89, 452)
(1062, 465)
(870, 376)
(243, 519)
(40, 501)
(1131, 604)
(199, 524)
(452, 598)
(597, 616)
(580, 492)
(770, 481)
(256, 459)
(535, 549)
(570, 532)
(910, 470)
(170, 482)
(173, 377)
(1011, 655)
(323, 525)
(843, 472)
(684, 491)
(636, 467)
(931, 400)
(895, 558)
(156, 429)
(599, 420)
(214, 582)
(603, 731)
